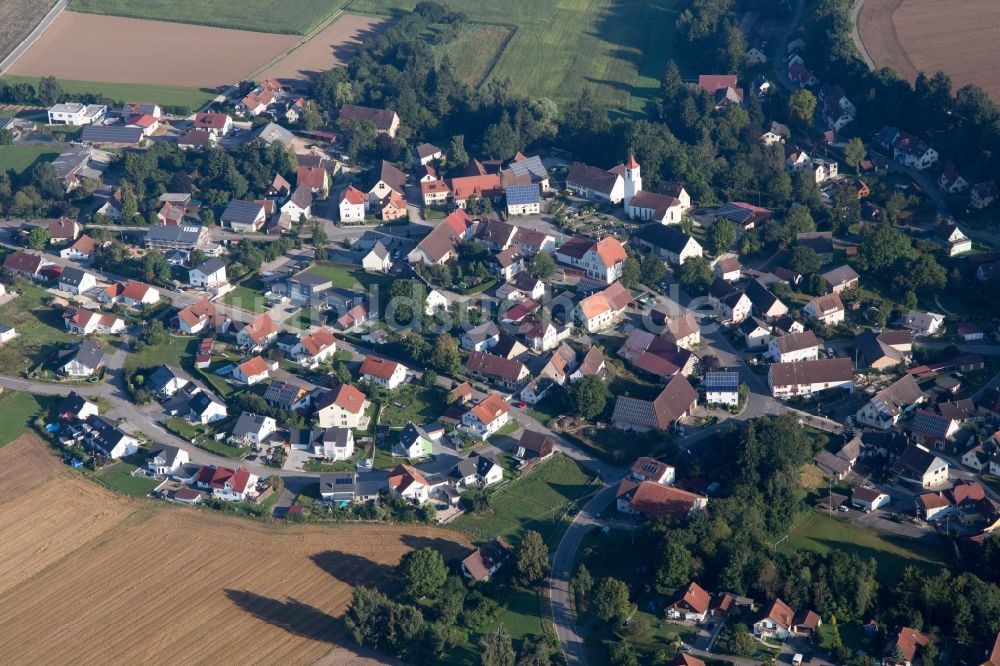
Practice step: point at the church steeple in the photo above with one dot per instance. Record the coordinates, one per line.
(633, 179)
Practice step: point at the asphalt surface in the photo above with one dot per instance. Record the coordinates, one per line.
(33, 36)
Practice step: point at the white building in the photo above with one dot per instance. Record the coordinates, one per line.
(435, 301)
(383, 372)
(804, 378)
(209, 275)
(794, 347)
(75, 113)
(487, 417)
(828, 309)
(722, 388)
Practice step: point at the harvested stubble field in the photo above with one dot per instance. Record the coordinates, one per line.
(332, 46)
(83, 47)
(146, 582)
(957, 37)
(17, 19)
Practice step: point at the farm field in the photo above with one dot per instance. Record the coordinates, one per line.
(536, 501)
(892, 552)
(189, 576)
(20, 18)
(617, 49)
(20, 158)
(332, 46)
(169, 96)
(957, 37)
(475, 51)
(77, 46)
(294, 17)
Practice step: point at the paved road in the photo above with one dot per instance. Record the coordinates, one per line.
(33, 36)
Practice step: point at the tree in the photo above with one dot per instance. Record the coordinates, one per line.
(532, 557)
(310, 116)
(318, 233)
(743, 644)
(456, 152)
(39, 237)
(804, 260)
(723, 235)
(535, 653)
(676, 565)
(855, 152)
(589, 396)
(495, 649)
(500, 139)
(611, 600)
(652, 269)
(581, 585)
(155, 267)
(883, 246)
(542, 265)
(422, 572)
(802, 106)
(623, 654)
(695, 275)
(129, 205)
(631, 271)
(49, 91)
(845, 209)
(445, 356)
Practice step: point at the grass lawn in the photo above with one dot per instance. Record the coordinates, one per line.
(221, 448)
(182, 428)
(617, 49)
(172, 353)
(119, 478)
(296, 18)
(190, 99)
(20, 158)
(346, 277)
(822, 533)
(39, 331)
(306, 318)
(338, 466)
(19, 410)
(536, 501)
(415, 403)
(246, 298)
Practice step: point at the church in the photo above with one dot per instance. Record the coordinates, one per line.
(650, 206)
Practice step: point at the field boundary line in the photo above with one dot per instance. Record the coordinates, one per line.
(499, 54)
(33, 36)
(859, 42)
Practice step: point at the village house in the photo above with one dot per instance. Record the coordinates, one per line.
(298, 208)
(315, 348)
(951, 181)
(601, 260)
(691, 605)
(215, 124)
(26, 264)
(727, 267)
(353, 205)
(76, 281)
(683, 331)
(651, 469)
(81, 321)
(596, 184)
(487, 559)
(205, 408)
(910, 151)
(344, 488)
(343, 407)
(105, 437)
(383, 372)
(252, 371)
(756, 333)
(74, 407)
(378, 259)
(441, 245)
(669, 243)
(794, 347)
(733, 304)
(505, 373)
(776, 133)
(918, 467)
(257, 335)
(252, 429)
(487, 417)
(869, 499)
(765, 304)
(534, 445)
(243, 216)
(723, 89)
(602, 309)
(210, 274)
(722, 388)
(674, 402)
(921, 323)
(196, 317)
(840, 279)
(76, 113)
(523, 200)
(137, 294)
(828, 309)
(888, 406)
(476, 470)
(385, 120)
(884, 351)
(408, 483)
(226, 483)
(952, 239)
(910, 644)
(81, 250)
(655, 500)
(165, 460)
(287, 395)
(804, 378)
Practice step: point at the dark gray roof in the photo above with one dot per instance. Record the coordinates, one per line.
(187, 234)
(87, 354)
(591, 178)
(664, 236)
(247, 423)
(530, 166)
(111, 134)
(241, 211)
(72, 276)
(211, 266)
(164, 374)
(271, 132)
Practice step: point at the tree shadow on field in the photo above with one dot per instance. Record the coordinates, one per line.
(449, 549)
(293, 616)
(354, 570)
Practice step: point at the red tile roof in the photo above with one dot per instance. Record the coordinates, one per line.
(253, 367)
(376, 366)
(490, 409)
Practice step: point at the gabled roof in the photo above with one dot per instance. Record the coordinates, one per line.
(591, 178)
(253, 367)
(376, 366)
(210, 120)
(345, 396)
(695, 597)
(242, 212)
(490, 409)
(610, 251)
(404, 476)
(654, 499)
(261, 328)
(382, 118)
(490, 365)
(668, 237)
(826, 370)
(794, 342)
(249, 423)
(780, 613)
(87, 354)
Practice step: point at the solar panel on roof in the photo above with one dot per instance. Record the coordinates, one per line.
(722, 380)
(522, 194)
(735, 213)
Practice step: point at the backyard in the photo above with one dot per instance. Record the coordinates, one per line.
(347, 277)
(20, 158)
(822, 533)
(177, 352)
(40, 330)
(119, 478)
(536, 501)
(181, 97)
(248, 296)
(412, 404)
(19, 411)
